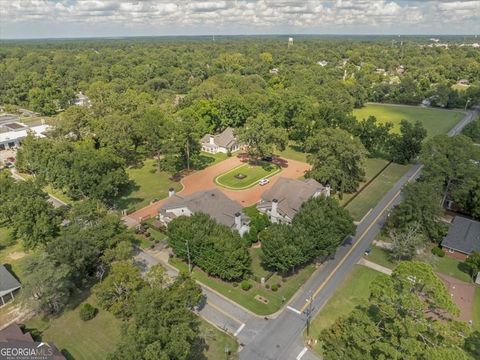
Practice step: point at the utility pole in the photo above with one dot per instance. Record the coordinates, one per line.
(466, 104)
(188, 256)
(308, 312)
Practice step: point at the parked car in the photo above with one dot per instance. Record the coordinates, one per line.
(8, 165)
(368, 251)
(267, 158)
(263, 182)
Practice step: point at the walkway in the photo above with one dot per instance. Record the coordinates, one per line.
(375, 266)
(204, 180)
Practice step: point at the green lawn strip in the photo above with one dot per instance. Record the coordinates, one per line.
(375, 191)
(253, 174)
(216, 342)
(293, 152)
(257, 268)
(84, 340)
(476, 309)
(247, 298)
(446, 265)
(436, 121)
(353, 291)
(207, 159)
(59, 194)
(9, 246)
(148, 184)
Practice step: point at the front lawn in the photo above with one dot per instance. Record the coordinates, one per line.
(276, 299)
(376, 190)
(147, 184)
(436, 121)
(96, 338)
(208, 159)
(353, 291)
(293, 152)
(246, 175)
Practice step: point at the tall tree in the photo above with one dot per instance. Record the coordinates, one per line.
(337, 159)
(406, 146)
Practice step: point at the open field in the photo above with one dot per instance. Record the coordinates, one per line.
(436, 121)
(247, 298)
(251, 175)
(374, 192)
(354, 291)
(96, 338)
(147, 184)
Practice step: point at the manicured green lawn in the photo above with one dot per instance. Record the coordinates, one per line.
(257, 268)
(58, 194)
(293, 152)
(354, 291)
(476, 309)
(96, 338)
(12, 254)
(436, 121)
(208, 159)
(252, 173)
(216, 343)
(147, 184)
(380, 256)
(375, 191)
(92, 339)
(247, 298)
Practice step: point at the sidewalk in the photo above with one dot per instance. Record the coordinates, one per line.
(374, 266)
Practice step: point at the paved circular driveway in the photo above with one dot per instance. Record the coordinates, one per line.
(204, 180)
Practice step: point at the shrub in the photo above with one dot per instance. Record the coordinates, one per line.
(152, 171)
(267, 286)
(437, 251)
(87, 312)
(235, 284)
(279, 285)
(245, 285)
(274, 287)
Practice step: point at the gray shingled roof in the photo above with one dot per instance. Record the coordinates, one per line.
(463, 235)
(225, 139)
(7, 282)
(291, 194)
(212, 202)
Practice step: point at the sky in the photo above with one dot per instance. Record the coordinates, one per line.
(118, 18)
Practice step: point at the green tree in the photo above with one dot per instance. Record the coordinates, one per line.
(473, 263)
(279, 252)
(337, 159)
(396, 323)
(406, 146)
(117, 292)
(405, 242)
(472, 130)
(261, 137)
(46, 286)
(374, 136)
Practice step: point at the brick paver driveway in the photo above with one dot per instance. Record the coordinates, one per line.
(203, 180)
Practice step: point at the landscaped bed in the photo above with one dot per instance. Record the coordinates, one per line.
(247, 299)
(246, 175)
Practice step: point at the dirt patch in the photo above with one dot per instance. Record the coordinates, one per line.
(16, 255)
(261, 299)
(462, 294)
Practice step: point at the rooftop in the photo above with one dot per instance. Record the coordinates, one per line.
(225, 139)
(8, 282)
(463, 235)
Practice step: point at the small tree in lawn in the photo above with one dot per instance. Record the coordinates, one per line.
(473, 263)
(405, 242)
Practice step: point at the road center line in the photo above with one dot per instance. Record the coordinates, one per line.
(358, 241)
(239, 329)
(299, 356)
(294, 310)
(224, 312)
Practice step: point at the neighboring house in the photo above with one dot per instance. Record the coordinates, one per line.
(82, 100)
(283, 200)
(274, 71)
(12, 134)
(322, 63)
(211, 202)
(462, 239)
(224, 142)
(14, 335)
(8, 285)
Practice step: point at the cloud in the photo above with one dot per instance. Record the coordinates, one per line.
(252, 15)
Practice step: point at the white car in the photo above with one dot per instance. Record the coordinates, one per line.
(263, 182)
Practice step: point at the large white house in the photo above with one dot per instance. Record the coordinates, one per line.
(223, 142)
(283, 200)
(12, 133)
(211, 202)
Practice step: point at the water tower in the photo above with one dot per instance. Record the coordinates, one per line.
(290, 42)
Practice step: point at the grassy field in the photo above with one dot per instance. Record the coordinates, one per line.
(94, 339)
(12, 254)
(376, 190)
(445, 265)
(436, 121)
(147, 184)
(247, 298)
(352, 292)
(293, 152)
(252, 173)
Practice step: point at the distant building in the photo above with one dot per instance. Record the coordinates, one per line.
(283, 200)
(14, 335)
(463, 238)
(211, 202)
(381, 71)
(290, 42)
(274, 71)
(8, 285)
(322, 63)
(401, 70)
(82, 100)
(224, 142)
(12, 133)
(463, 82)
